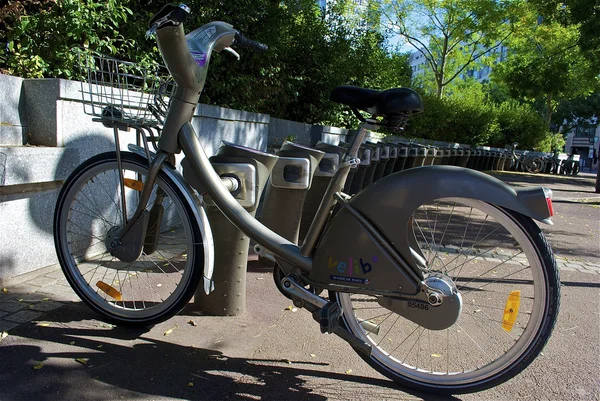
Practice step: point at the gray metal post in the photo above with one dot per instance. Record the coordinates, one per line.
(252, 168)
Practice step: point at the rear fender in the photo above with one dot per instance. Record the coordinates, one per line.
(388, 205)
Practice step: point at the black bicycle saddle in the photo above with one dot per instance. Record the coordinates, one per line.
(379, 103)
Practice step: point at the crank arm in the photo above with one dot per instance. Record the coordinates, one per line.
(320, 308)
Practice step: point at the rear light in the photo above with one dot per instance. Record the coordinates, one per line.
(548, 194)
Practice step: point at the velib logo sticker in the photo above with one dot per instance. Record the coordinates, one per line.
(352, 271)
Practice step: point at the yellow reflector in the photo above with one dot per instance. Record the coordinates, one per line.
(111, 291)
(133, 184)
(511, 310)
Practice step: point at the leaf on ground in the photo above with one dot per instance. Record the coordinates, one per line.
(99, 346)
(313, 356)
(159, 285)
(289, 307)
(348, 371)
(436, 355)
(82, 361)
(4, 290)
(3, 335)
(20, 300)
(190, 384)
(192, 323)
(45, 299)
(72, 343)
(166, 333)
(38, 366)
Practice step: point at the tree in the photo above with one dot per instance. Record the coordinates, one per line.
(307, 58)
(584, 14)
(452, 35)
(546, 64)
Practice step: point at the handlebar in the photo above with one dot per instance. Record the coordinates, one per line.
(242, 41)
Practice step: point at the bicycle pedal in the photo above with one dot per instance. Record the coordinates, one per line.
(330, 317)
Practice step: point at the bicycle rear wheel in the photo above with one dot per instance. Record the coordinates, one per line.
(534, 165)
(502, 266)
(162, 280)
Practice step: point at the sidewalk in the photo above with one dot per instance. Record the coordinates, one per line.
(57, 349)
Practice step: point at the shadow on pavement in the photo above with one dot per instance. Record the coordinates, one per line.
(86, 359)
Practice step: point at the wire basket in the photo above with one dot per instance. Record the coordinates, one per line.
(124, 94)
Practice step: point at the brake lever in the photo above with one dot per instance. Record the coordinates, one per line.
(230, 50)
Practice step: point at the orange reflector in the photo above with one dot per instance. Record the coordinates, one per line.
(133, 184)
(110, 290)
(511, 310)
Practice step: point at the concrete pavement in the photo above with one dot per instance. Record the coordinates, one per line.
(57, 349)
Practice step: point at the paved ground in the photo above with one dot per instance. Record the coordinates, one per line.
(57, 349)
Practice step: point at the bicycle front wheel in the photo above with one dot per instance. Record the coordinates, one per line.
(506, 274)
(163, 278)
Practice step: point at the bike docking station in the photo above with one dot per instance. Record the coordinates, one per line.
(354, 186)
(375, 159)
(389, 167)
(321, 178)
(384, 159)
(430, 156)
(286, 191)
(244, 171)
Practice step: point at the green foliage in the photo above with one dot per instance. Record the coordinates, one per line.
(521, 123)
(546, 65)
(452, 35)
(310, 54)
(584, 15)
(469, 117)
(39, 35)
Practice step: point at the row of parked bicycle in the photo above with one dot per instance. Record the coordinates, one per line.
(384, 158)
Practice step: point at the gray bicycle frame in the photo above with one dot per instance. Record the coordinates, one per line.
(188, 58)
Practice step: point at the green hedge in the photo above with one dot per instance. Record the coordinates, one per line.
(474, 121)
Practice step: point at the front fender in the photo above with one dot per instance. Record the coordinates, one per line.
(199, 216)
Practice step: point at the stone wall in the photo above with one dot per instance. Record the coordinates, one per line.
(45, 134)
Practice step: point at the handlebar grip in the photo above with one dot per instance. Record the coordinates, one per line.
(170, 14)
(242, 41)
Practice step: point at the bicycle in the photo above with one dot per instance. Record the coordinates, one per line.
(525, 162)
(437, 276)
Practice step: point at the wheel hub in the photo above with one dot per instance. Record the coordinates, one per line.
(437, 306)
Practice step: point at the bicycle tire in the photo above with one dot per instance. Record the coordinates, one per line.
(534, 165)
(472, 335)
(163, 279)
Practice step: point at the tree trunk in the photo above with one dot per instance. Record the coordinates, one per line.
(548, 110)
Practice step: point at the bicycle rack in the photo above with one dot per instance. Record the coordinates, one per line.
(384, 159)
(359, 176)
(286, 191)
(321, 178)
(429, 157)
(251, 168)
(402, 157)
(375, 158)
(465, 155)
(389, 167)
